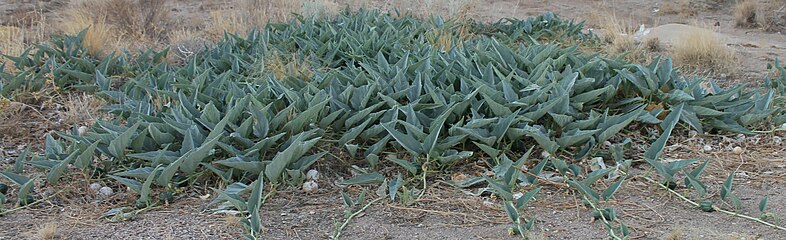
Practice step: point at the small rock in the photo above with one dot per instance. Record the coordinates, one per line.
(310, 187)
(95, 186)
(82, 130)
(737, 150)
(204, 197)
(707, 148)
(312, 174)
(105, 191)
(777, 140)
(783, 126)
(597, 163)
(518, 195)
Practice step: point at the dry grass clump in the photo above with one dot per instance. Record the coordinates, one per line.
(99, 37)
(80, 110)
(256, 13)
(683, 8)
(617, 34)
(48, 231)
(446, 8)
(745, 14)
(771, 16)
(283, 66)
(226, 21)
(319, 8)
(114, 24)
(184, 43)
(677, 234)
(11, 42)
(702, 50)
(618, 38)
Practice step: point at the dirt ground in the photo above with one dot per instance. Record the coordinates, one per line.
(445, 212)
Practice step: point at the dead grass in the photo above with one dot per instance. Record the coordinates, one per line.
(233, 221)
(100, 37)
(678, 234)
(319, 8)
(226, 21)
(682, 8)
(80, 110)
(617, 34)
(771, 17)
(11, 42)
(117, 24)
(283, 66)
(703, 51)
(185, 43)
(745, 14)
(47, 231)
(447, 9)
(653, 45)
(256, 14)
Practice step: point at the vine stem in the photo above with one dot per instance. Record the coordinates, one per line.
(337, 235)
(714, 207)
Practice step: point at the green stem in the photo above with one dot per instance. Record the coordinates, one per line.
(602, 217)
(337, 235)
(423, 192)
(714, 207)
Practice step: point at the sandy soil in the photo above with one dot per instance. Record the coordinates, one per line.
(447, 213)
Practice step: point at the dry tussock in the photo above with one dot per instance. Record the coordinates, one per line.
(448, 9)
(617, 34)
(745, 14)
(255, 14)
(702, 50)
(682, 8)
(11, 42)
(47, 231)
(100, 38)
(116, 24)
(283, 66)
(226, 21)
(678, 234)
(184, 43)
(771, 17)
(80, 110)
